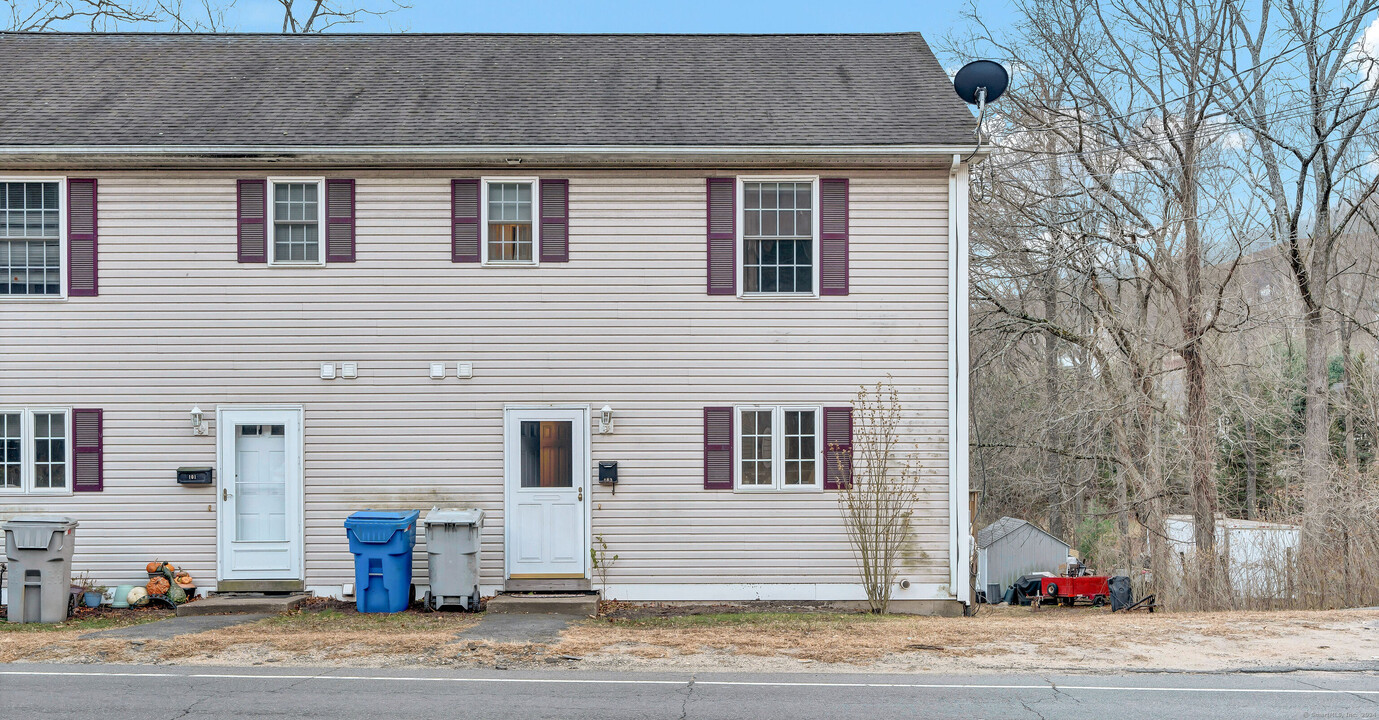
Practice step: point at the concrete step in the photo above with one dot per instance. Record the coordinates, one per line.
(242, 604)
(550, 604)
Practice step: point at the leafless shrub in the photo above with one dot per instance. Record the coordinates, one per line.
(878, 504)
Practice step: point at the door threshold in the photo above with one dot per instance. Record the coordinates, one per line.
(260, 586)
(526, 585)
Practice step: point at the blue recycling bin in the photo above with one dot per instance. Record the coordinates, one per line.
(382, 542)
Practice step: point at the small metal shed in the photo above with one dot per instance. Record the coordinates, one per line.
(1011, 547)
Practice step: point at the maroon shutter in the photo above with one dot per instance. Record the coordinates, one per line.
(339, 221)
(88, 472)
(722, 227)
(837, 447)
(718, 448)
(833, 236)
(81, 238)
(464, 221)
(253, 215)
(555, 221)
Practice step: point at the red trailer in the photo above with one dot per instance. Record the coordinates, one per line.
(1090, 588)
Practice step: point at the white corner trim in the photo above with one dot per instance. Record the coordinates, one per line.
(959, 517)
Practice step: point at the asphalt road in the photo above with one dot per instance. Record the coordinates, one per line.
(150, 693)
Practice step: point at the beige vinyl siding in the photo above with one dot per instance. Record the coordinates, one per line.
(626, 322)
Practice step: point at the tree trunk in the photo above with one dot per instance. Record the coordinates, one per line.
(1053, 462)
(1316, 422)
(1200, 444)
(1251, 457)
(1352, 462)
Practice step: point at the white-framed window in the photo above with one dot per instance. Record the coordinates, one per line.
(778, 236)
(35, 450)
(33, 238)
(779, 447)
(510, 231)
(296, 221)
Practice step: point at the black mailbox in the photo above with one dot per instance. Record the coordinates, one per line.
(608, 472)
(195, 476)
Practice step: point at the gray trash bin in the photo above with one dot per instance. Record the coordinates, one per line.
(452, 555)
(39, 551)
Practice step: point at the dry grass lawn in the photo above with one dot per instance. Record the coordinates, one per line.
(999, 638)
(1081, 639)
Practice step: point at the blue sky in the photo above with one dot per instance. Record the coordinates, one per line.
(932, 18)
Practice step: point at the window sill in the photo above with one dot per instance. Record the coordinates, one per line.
(777, 491)
(510, 264)
(11, 492)
(32, 298)
(777, 296)
(296, 264)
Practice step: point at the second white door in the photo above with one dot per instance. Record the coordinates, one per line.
(547, 467)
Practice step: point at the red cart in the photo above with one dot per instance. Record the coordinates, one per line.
(1093, 589)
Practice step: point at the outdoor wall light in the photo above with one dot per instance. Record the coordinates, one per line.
(605, 420)
(198, 424)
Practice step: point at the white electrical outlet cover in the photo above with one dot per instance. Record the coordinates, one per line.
(327, 371)
(437, 371)
(464, 370)
(349, 370)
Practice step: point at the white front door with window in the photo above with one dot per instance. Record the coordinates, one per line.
(546, 463)
(259, 493)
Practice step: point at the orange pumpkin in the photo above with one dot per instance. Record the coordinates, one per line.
(158, 586)
(154, 566)
(184, 580)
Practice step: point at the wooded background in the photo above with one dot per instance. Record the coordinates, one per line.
(1173, 301)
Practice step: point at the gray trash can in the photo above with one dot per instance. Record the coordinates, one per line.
(39, 551)
(452, 556)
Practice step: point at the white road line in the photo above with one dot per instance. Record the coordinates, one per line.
(743, 683)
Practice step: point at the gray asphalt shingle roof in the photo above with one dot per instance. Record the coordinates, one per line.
(476, 90)
(997, 530)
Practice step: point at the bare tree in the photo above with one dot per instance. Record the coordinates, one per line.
(89, 15)
(313, 16)
(1307, 91)
(299, 16)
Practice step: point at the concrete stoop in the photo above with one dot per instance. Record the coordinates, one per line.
(549, 604)
(235, 604)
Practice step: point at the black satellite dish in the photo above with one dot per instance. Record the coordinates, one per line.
(981, 75)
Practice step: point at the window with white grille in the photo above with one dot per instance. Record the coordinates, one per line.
(35, 452)
(778, 237)
(509, 230)
(296, 211)
(778, 448)
(30, 238)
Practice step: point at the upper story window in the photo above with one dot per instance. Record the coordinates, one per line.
(509, 232)
(34, 451)
(31, 238)
(778, 237)
(778, 448)
(296, 216)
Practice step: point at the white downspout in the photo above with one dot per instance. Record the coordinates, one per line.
(959, 519)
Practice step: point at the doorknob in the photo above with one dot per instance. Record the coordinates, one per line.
(224, 493)
(581, 493)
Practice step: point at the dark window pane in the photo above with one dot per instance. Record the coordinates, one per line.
(547, 453)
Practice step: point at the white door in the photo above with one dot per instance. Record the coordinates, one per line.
(259, 534)
(546, 461)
